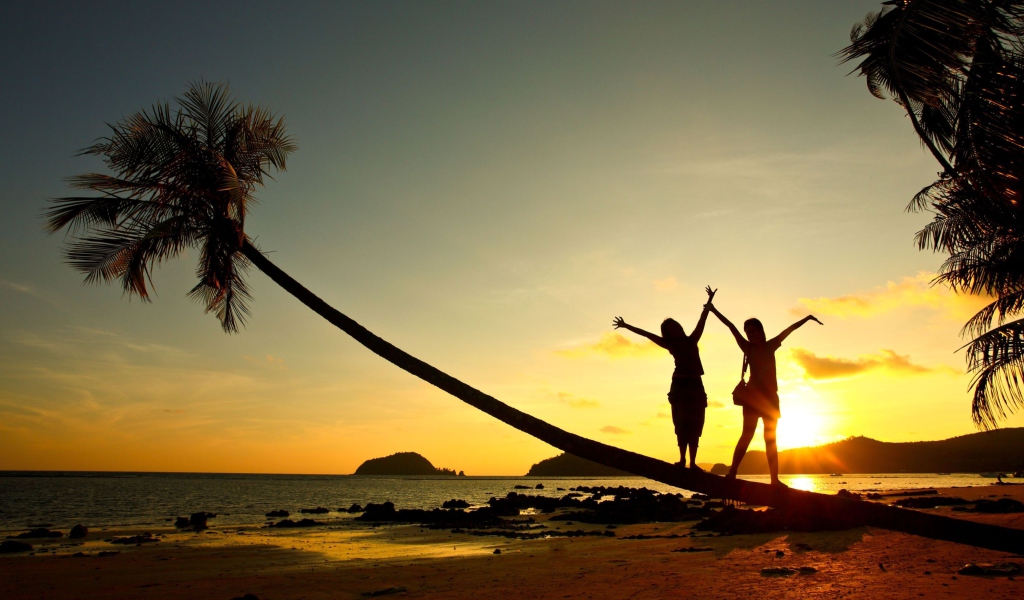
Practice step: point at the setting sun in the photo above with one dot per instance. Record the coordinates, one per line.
(803, 422)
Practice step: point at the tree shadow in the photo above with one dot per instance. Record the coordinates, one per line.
(829, 542)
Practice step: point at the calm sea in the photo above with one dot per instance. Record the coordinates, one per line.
(146, 499)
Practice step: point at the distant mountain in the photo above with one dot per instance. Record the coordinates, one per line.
(570, 465)
(999, 450)
(402, 463)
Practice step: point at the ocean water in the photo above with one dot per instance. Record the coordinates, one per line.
(61, 500)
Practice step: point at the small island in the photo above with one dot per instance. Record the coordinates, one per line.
(570, 465)
(403, 463)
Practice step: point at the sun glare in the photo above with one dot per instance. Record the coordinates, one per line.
(802, 423)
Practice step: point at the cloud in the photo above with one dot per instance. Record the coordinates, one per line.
(910, 292)
(24, 289)
(613, 345)
(662, 415)
(613, 429)
(665, 285)
(715, 404)
(574, 402)
(826, 367)
(269, 360)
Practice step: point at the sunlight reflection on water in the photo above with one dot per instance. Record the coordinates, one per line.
(799, 483)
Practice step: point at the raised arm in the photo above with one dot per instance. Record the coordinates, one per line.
(740, 340)
(785, 332)
(620, 324)
(699, 329)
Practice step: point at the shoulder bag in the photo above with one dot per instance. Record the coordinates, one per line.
(742, 394)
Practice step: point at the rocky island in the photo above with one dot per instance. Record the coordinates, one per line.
(403, 463)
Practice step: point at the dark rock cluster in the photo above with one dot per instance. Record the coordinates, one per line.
(1003, 505)
(455, 503)
(288, 523)
(35, 534)
(438, 518)
(605, 505)
(11, 547)
(930, 501)
(196, 521)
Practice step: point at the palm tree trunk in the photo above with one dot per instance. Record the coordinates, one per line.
(833, 507)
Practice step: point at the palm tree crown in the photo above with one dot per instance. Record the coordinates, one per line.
(181, 179)
(957, 68)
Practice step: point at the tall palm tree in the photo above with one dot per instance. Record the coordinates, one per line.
(957, 68)
(185, 179)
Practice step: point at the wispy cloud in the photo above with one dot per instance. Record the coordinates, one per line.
(614, 345)
(24, 289)
(575, 402)
(268, 361)
(910, 292)
(614, 430)
(827, 367)
(666, 285)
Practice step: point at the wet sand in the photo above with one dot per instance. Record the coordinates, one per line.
(350, 559)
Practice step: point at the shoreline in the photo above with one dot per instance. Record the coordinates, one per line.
(347, 559)
(119, 502)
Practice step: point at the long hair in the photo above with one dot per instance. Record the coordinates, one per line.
(671, 329)
(754, 330)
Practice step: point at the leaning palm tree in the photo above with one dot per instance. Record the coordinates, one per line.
(957, 68)
(185, 179)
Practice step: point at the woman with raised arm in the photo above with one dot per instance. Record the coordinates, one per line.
(686, 396)
(759, 353)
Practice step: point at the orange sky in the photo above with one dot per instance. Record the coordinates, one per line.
(486, 188)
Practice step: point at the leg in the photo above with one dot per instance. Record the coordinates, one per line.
(696, 427)
(771, 450)
(749, 426)
(693, 452)
(679, 421)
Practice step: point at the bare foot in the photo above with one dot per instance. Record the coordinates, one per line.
(730, 476)
(694, 467)
(778, 483)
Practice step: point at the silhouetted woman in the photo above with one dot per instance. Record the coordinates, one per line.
(686, 396)
(760, 355)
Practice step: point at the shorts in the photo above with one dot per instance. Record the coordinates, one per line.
(768, 408)
(689, 402)
(689, 421)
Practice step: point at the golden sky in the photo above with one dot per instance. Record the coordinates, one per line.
(486, 187)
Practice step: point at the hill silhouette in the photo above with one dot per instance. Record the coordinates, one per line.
(402, 463)
(570, 465)
(999, 450)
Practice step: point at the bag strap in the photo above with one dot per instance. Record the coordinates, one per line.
(743, 373)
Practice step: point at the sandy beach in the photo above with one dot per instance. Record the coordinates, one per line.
(352, 560)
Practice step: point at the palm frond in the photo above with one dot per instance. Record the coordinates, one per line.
(181, 177)
(997, 359)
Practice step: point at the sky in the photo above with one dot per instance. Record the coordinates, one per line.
(485, 185)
